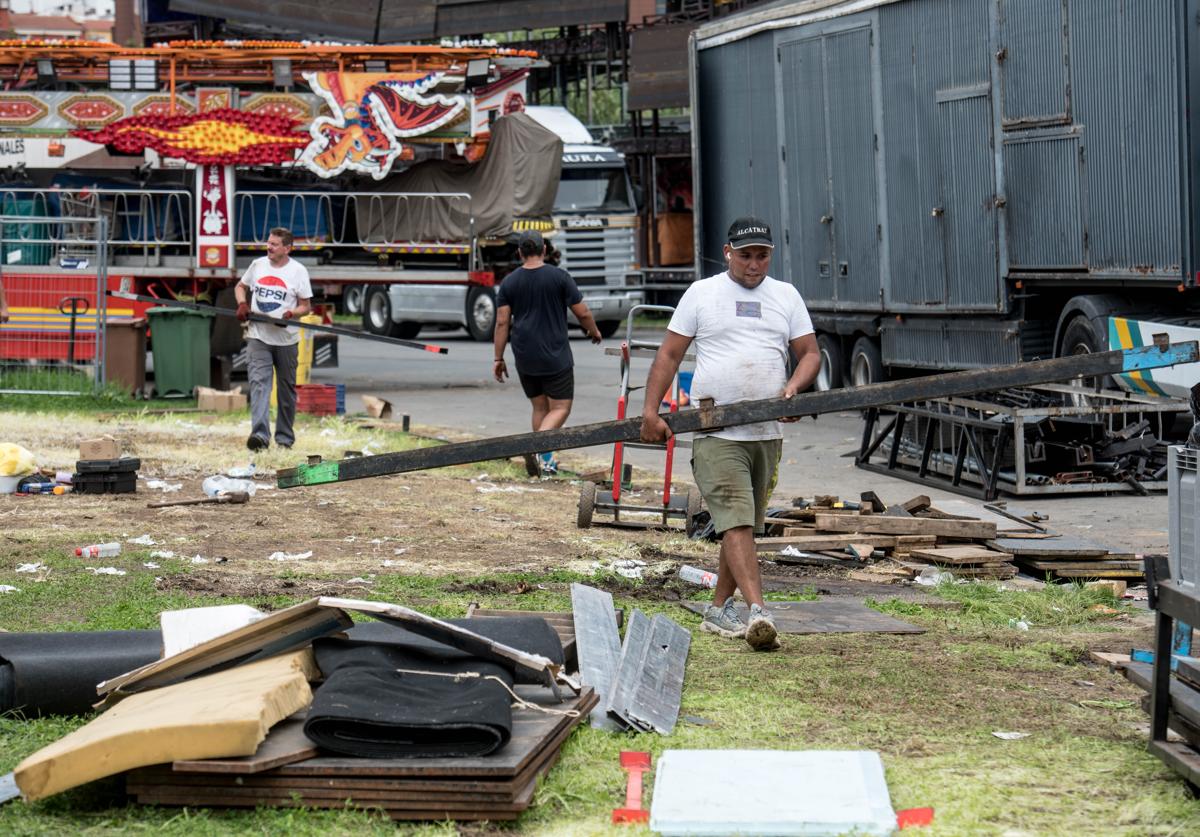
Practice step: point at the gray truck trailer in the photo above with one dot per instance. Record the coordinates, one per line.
(961, 183)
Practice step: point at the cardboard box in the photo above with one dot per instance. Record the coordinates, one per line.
(220, 401)
(104, 447)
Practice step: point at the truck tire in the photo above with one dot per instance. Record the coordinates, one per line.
(608, 327)
(481, 313)
(352, 299)
(406, 329)
(830, 374)
(866, 363)
(1080, 338)
(377, 311)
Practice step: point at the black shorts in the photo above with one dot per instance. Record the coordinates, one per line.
(560, 386)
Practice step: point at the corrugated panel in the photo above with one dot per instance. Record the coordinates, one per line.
(850, 102)
(757, 124)
(969, 211)
(927, 49)
(1045, 220)
(950, 344)
(724, 164)
(1034, 70)
(810, 243)
(597, 256)
(1124, 61)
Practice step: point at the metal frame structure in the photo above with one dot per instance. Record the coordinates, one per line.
(40, 339)
(963, 441)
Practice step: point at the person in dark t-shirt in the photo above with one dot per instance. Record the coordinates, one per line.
(532, 304)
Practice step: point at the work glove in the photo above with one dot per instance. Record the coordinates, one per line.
(243, 311)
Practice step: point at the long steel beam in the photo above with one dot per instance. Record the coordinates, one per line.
(748, 412)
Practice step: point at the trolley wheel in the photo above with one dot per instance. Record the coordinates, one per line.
(693, 511)
(587, 505)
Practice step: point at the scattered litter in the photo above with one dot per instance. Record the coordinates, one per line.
(219, 484)
(377, 540)
(506, 489)
(164, 486)
(150, 565)
(289, 556)
(144, 540)
(98, 550)
(8, 588)
(1084, 683)
(698, 576)
(105, 570)
(162, 553)
(1011, 736)
(400, 551)
(196, 559)
(629, 568)
(932, 577)
(1019, 624)
(247, 471)
(359, 580)
(30, 568)
(478, 508)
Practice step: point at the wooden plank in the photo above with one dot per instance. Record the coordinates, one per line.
(285, 743)
(916, 504)
(1065, 546)
(1099, 573)
(1113, 660)
(1097, 566)
(878, 524)
(1002, 571)
(961, 555)
(825, 616)
(283, 630)
(598, 645)
(744, 412)
(816, 543)
(223, 714)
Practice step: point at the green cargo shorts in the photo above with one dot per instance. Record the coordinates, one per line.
(736, 479)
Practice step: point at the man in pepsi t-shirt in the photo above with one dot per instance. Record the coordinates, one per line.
(533, 300)
(276, 286)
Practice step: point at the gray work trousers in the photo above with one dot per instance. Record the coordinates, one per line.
(261, 360)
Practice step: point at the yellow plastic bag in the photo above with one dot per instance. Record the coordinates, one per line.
(15, 461)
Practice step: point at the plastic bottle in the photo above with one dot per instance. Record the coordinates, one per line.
(99, 550)
(698, 576)
(217, 485)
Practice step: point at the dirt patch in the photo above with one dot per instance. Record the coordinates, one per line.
(217, 583)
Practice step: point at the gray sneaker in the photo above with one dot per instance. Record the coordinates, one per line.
(760, 633)
(723, 621)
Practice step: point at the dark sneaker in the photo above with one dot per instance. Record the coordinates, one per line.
(723, 621)
(257, 443)
(760, 632)
(531, 465)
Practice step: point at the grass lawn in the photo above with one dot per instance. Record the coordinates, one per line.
(928, 703)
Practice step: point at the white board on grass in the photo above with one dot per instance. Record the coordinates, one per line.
(771, 792)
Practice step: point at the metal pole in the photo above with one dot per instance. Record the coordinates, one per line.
(101, 301)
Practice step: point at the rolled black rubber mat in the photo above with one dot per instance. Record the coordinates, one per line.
(57, 673)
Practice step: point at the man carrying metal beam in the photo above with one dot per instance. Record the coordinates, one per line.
(743, 323)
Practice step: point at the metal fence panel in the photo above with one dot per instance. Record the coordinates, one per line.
(1045, 218)
(54, 342)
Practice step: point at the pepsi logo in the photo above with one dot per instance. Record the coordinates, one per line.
(270, 292)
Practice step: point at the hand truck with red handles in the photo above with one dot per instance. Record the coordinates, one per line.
(607, 498)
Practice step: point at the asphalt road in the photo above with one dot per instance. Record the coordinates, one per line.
(457, 391)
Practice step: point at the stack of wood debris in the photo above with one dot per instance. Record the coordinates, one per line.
(229, 716)
(904, 540)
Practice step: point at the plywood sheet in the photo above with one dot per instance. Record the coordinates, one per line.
(961, 555)
(826, 616)
(223, 714)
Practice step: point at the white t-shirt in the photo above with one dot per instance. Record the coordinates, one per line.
(740, 338)
(274, 290)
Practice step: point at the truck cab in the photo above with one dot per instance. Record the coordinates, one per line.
(595, 220)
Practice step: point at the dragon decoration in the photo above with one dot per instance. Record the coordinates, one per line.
(371, 113)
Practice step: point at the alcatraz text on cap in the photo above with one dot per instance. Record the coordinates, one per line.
(750, 230)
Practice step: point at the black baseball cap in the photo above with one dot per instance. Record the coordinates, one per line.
(530, 241)
(749, 231)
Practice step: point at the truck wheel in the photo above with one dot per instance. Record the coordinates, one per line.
(377, 311)
(481, 313)
(352, 299)
(830, 374)
(1080, 338)
(608, 327)
(866, 363)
